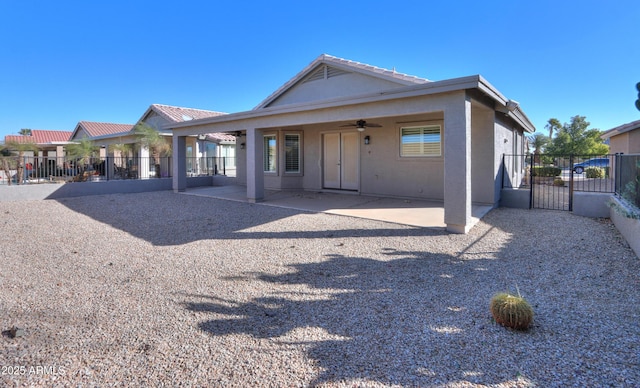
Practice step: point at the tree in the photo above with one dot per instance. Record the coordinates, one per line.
(575, 138)
(553, 125)
(83, 150)
(9, 160)
(148, 137)
(25, 132)
(538, 141)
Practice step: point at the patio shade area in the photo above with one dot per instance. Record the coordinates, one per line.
(412, 212)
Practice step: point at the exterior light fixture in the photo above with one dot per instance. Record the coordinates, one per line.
(367, 139)
(242, 146)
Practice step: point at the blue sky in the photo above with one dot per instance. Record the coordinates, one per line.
(63, 61)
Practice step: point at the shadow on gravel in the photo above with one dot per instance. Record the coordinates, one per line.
(371, 320)
(190, 218)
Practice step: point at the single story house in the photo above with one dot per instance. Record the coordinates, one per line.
(157, 116)
(208, 145)
(344, 126)
(49, 150)
(624, 138)
(49, 143)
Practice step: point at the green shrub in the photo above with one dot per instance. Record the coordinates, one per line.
(511, 311)
(546, 171)
(595, 172)
(558, 182)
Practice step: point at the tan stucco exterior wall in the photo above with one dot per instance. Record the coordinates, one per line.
(619, 144)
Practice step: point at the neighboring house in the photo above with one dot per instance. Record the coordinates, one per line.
(49, 143)
(51, 149)
(209, 145)
(624, 138)
(349, 127)
(103, 134)
(157, 116)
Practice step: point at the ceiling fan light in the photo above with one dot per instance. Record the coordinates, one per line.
(360, 129)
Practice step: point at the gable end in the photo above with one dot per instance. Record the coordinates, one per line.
(324, 72)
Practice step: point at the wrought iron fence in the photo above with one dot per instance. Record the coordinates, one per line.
(30, 169)
(627, 177)
(211, 165)
(552, 179)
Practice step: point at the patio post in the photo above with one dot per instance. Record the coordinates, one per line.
(255, 167)
(457, 165)
(179, 163)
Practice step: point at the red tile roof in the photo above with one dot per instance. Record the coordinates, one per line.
(221, 136)
(95, 129)
(178, 114)
(40, 136)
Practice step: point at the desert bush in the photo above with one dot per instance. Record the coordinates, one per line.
(558, 182)
(594, 172)
(546, 171)
(511, 311)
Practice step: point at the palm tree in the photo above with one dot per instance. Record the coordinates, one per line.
(150, 138)
(553, 125)
(6, 162)
(538, 141)
(9, 159)
(83, 150)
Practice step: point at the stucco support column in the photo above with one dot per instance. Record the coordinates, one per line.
(255, 168)
(179, 163)
(457, 165)
(60, 156)
(143, 165)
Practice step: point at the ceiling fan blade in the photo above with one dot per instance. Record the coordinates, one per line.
(373, 125)
(348, 125)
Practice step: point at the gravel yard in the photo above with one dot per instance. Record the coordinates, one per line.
(165, 289)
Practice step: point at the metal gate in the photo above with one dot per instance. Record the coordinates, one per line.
(554, 179)
(551, 183)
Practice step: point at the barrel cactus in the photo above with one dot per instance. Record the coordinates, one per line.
(511, 311)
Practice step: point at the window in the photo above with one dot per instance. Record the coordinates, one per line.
(420, 141)
(270, 153)
(292, 153)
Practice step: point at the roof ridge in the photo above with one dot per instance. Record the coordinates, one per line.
(103, 122)
(184, 107)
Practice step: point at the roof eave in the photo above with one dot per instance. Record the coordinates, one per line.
(416, 90)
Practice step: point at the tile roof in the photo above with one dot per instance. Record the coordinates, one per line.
(95, 129)
(40, 136)
(178, 114)
(221, 137)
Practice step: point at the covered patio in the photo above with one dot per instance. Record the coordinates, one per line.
(412, 212)
(342, 126)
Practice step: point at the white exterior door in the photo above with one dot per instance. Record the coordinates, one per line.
(341, 168)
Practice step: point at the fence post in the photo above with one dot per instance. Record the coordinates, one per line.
(571, 182)
(531, 185)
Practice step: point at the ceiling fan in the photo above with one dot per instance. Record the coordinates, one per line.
(361, 125)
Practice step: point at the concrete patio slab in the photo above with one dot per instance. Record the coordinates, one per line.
(412, 212)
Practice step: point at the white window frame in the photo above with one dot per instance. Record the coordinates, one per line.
(287, 154)
(426, 149)
(265, 160)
